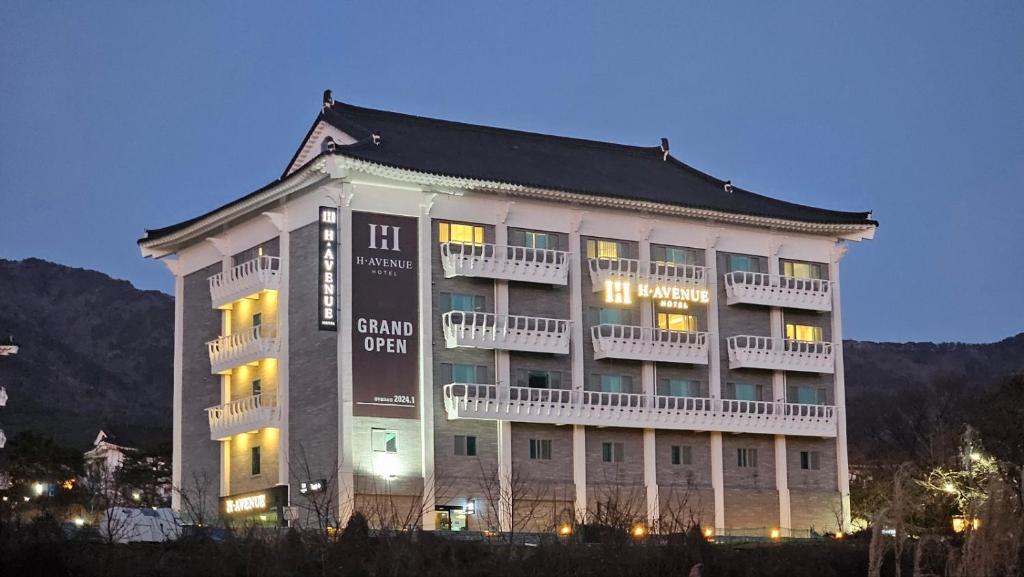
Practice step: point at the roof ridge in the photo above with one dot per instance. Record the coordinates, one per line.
(631, 148)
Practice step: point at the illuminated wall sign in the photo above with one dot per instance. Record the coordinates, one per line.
(385, 310)
(246, 504)
(265, 501)
(669, 297)
(312, 486)
(328, 268)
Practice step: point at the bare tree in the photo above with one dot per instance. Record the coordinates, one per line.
(196, 495)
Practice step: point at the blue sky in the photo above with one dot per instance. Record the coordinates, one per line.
(117, 116)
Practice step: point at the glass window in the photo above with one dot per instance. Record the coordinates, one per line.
(461, 233)
(613, 452)
(677, 322)
(679, 256)
(465, 445)
(254, 460)
(807, 396)
(606, 249)
(464, 302)
(612, 384)
(257, 387)
(804, 333)
(745, 392)
(739, 262)
(681, 388)
(801, 269)
(810, 460)
(614, 316)
(257, 319)
(384, 441)
(540, 449)
(538, 380)
(464, 373)
(682, 455)
(541, 240)
(746, 457)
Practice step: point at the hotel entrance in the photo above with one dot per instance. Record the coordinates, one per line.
(450, 518)
(258, 508)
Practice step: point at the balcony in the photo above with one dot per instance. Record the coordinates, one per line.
(649, 344)
(651, 273)
(514, 263)
(248, 346)
(3, 396)
(3, 439)
(243, 415)
(774, 290)
(245, 280)
(753, 352)
(505, 332)
(570, 407)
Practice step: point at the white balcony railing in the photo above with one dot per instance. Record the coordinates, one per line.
(754, 352)
(247, 346)
(245, 280)
(649, 344)
(516, 263)
(633, 270)
(3, 396)
(774, 290)
(3, 439)
(505, 332)
(243, 415)
(571, 407)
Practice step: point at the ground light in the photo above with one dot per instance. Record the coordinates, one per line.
(776, 534)
(565, 530)
(709, 534)
(79, 521)
(639, 531)
(839, 535)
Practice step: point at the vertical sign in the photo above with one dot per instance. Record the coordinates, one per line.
(385, 309)
(328, 266)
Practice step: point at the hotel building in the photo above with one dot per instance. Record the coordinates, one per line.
(467, 327)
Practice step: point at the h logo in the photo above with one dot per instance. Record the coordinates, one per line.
(384, 237)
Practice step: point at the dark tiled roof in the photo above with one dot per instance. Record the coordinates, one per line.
(456, 149)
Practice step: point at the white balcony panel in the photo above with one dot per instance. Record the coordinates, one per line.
(247, 346)
(244, 280)
(753, 352)
(774, 290)
(505, 332)
(3, 396)
(649, 344)
(243, 415)
(654, 273)
(569, 407)
(515, 263)
(3, 439)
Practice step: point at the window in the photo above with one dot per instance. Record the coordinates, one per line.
(804, 333)
(614, 316)
(461, 233)
(613, 452)
(465, 446)
(746, 457)
(463, 373)
(806, 395)
(613, 383)
(537, 379)
(740, 262)
(810, 460)
(606, 249)
(257, 319)
(254, 460)
(801, 269)
(384, 441)
(540, 449)
(673, 255)
(541, 240)
(677, 322)
(463, 302)
(682, 455)
(746, 392)
(257, 387)
(680, 388)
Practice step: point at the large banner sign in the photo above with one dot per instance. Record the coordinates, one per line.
(385, 309)
(328, 263)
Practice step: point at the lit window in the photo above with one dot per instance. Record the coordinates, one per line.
(540, 240)
(682, 455)
(613, 452)
(746, 457)
(384, 441)
(540, 449)
(681, 388)
(465, 445)
(604, 249)
(804, 333)
(801, 269)
(810, 460)
(677, 322)
(254, 460)
(461, 233)
(257, 387)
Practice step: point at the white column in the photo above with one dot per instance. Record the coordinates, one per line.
(503, 376)
(425, 231)
(346, 477)
(779, 395)
(715, 377)
(179, 342)
(283, 303)
(579, 432)
(647, 377)
(842, 458)
(225, 380)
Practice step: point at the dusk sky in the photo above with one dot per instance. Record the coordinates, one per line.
(115, 117)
